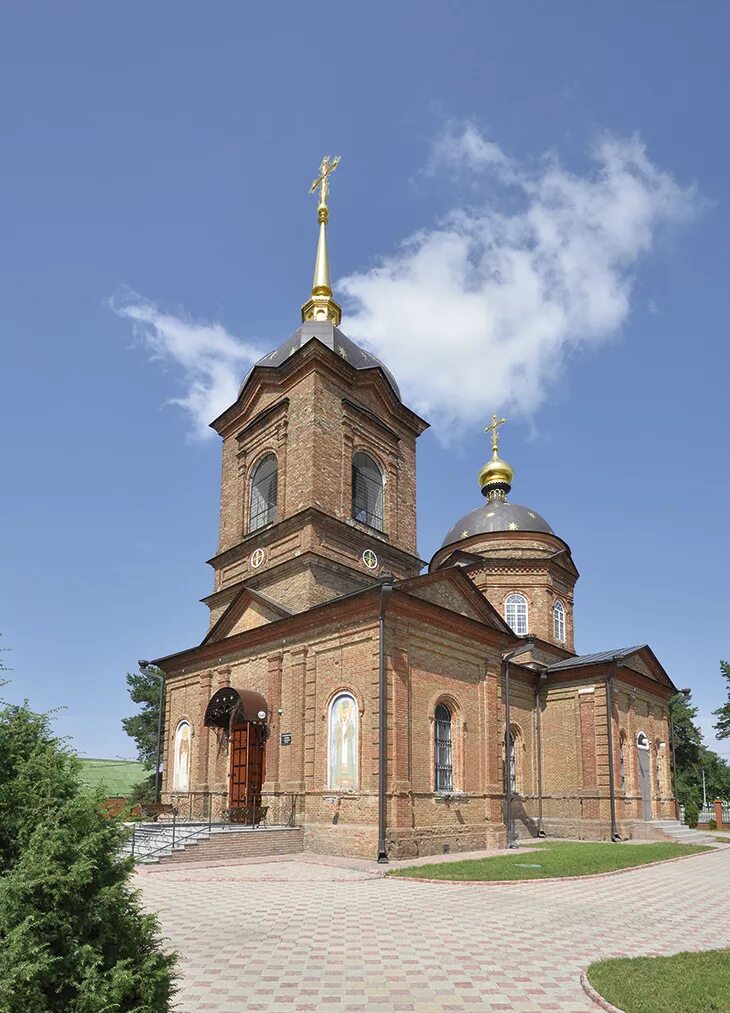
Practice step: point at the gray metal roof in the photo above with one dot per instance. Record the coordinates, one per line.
(496, 516)
(595, 659)
(331, 337)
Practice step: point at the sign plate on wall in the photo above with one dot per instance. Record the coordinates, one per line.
(286, 738)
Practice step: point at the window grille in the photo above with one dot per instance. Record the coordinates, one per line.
(515, 613)
(444, 768)
(367, 490)
(263, 493)
(512, 764)
(559, 620)
(622, 761)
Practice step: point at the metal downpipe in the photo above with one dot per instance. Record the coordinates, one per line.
(385, 592)
(615, 836)
(506, 658)
(538, 730)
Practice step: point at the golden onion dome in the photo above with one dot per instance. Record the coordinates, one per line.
(495, 478)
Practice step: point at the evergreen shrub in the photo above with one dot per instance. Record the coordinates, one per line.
(73, 935)
(691, 814)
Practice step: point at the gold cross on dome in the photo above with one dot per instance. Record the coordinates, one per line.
(494, 429)
(327, 167)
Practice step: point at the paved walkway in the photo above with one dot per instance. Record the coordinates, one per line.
(299, 935)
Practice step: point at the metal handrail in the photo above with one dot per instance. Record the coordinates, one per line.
(210, 796)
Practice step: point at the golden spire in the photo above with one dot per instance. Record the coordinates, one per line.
(495, 478)
(321, 304)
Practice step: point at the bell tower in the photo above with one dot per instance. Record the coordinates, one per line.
(318, 492)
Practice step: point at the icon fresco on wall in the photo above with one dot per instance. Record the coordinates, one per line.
(181, 774)
(343, 743)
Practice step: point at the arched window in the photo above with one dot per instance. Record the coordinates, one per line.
(443, 749)
(512, 763)
(367, 490)
(181, 761)
(515, 612)
(559, 620)
(622, 759)
(659, 747)
(262, 509)
(343, 742)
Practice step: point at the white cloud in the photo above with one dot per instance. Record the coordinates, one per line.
(480, 312)
(464, 147)
(212, 361)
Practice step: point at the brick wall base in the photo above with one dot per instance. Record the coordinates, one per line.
(581, 830)
(237, 846)
(361, 841)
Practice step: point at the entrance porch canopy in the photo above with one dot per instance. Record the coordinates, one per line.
(228, 707)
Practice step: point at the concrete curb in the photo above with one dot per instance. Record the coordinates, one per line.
(596, 996)
(550, 879)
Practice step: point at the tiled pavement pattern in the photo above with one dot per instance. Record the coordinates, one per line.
(298, 935)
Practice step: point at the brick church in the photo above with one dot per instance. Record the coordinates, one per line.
(389, 708)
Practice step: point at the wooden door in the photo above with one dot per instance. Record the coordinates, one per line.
(247, 771)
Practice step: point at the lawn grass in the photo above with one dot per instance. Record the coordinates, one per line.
(554, 858)
(699, 982)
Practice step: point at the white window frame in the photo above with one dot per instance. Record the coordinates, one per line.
(513, 601)
(559, 621)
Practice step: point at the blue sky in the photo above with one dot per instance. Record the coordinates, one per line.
(564, 171)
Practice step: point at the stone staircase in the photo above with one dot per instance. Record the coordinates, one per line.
(668, 830)
(153, 843)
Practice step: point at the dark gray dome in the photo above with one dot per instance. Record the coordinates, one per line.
(496, 516)
(332, 337)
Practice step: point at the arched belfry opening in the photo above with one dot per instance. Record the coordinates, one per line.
(243, 720)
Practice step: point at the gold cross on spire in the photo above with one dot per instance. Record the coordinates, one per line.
(321, 304)
(327, 167)
(494, 429)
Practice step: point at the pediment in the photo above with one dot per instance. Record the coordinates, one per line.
(248, 610)
(452, 589)
(645, 662)
(640, 659)
(447, 596)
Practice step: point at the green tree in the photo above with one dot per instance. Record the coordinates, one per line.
(73, 937)
(687, 736)
(694, 758)
(722, 728)
(144, 689)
